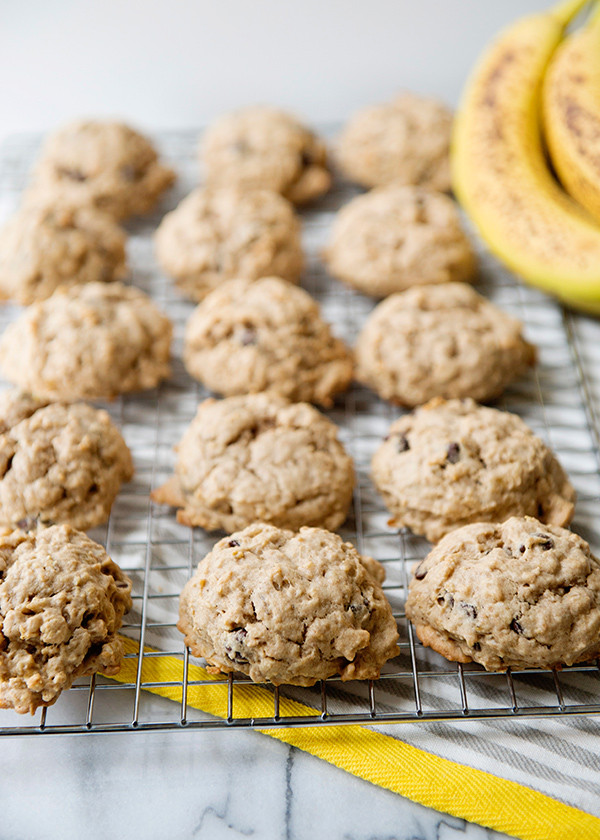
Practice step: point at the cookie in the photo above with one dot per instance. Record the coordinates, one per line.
(221, 233)
(395, 237)
(288, 607)
(406, 140)
(58, 464)
(44, 247)
(87, 342)
(266, 335)
(259, 458)
(62, 600)
(454, 462)
(264, 147)
(440, 341)
(516, 595)
(104, 164)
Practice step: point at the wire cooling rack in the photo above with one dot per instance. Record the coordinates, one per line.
(558, 400)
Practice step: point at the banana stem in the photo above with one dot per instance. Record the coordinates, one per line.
(565, 11)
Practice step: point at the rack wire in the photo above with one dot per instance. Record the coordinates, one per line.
(558, 399)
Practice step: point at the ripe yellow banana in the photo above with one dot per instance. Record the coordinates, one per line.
(500, 173)
(571, 108)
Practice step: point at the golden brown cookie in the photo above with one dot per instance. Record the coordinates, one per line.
(88, 342)
(521, 594)
(62, 600)
(266, 335)
(220, 233)
(289, 608)
(265, 147)
(259, 458)
(440, 341)
(104, 164)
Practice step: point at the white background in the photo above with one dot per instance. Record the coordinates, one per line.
(178, 63)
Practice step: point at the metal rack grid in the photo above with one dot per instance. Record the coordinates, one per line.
(558, 400)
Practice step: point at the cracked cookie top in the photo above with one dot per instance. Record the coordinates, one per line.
(88, 342)
(220, 233)
(62, 600)
(406, 141)
(395, 237)
(288, 608)
(266, 147)
(58, 463)
(266, 335)
(259, 458)
(105, 164)
(44, 247)
(440, 341)
(454, 462)
(516, 595)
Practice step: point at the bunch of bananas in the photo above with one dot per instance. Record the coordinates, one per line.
(526, 152)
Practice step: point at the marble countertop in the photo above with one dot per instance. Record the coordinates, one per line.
(199, 785)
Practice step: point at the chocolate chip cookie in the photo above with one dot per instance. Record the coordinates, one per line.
(406, 140)
(395, 237)
(58, 463)
(62, 600)
(221, 233)
(259, 458)
(44, 247)
(289, 608)
(88, 342)
(104, 164)
(440, 341)
(516, 595)
(264, 335)
(454, 462)
(265, 147)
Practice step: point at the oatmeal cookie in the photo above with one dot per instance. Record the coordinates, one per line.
(264, 335)
(395, 237)
(43, 247)
(289, 608)
(454, 462)
(88, 342)
(104, 164)
(62, 600)
(58, 463)
(520, 594)
(259, 458)
(221, 233)
(440, 341)
(406, 140)
(265, 147)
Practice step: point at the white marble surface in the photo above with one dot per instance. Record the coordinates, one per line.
(199, 785)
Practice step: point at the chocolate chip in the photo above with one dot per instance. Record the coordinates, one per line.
(420, 572)
(476, 646)
(240, 634)
(73, 174)
(240, 147)
(403, 445)
(470, 610)
(248, 336)
(28, 523)
(130, 173)
(544, 541)
(232, 543)
(522, 549)
(516, 627)
(453, 453)
(446, 598)
(306, 159)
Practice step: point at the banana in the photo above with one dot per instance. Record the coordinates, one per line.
(500, 173)
(571, 114)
